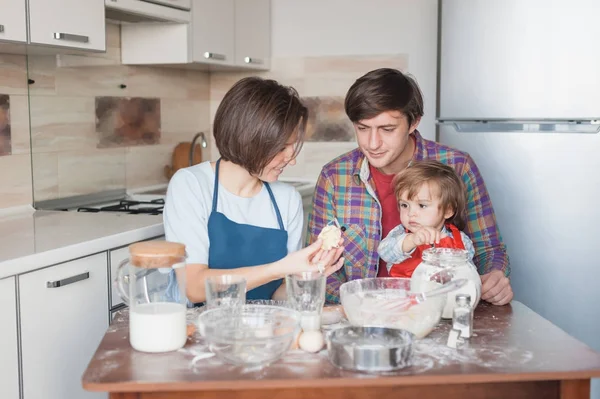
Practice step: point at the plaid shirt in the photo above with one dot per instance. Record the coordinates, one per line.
(345, 190)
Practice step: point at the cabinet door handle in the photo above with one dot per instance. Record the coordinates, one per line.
(71, 37)
(214, 56)
(250, 60)
(68, 280)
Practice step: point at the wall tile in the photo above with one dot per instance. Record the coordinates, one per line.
(45, 175)
(145, 165)
(86, 172)
(13, 74)
(15, 187)
(42, 70)
(19, 124)
(62, 123)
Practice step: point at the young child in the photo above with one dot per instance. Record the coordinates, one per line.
(432, 201)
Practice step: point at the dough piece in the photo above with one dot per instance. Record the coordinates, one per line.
(311, 341)
(331, 315)
(331, 236)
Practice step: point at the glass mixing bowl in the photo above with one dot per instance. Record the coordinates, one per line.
(250, 335)
(363, 302)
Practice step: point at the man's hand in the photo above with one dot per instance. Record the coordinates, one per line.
(495, 288)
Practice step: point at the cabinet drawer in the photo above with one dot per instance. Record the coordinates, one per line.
(63, 319)
(9, 358)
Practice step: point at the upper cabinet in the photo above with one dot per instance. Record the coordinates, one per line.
(253, 33)
(212, 32)
(223, 34)
(74, 24)
(13, 21)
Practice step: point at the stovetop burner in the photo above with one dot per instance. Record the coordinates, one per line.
(130, 206)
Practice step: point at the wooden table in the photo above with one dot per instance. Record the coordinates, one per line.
(515, 353)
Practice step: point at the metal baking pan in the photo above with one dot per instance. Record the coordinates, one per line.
(370, 349)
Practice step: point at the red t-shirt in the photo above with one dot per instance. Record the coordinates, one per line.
(390, 215)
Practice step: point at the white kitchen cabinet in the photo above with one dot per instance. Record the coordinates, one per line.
(253, 33)
(13, 21)
(9, 356)
(63, 319)
(223, 34)
(74, 24)
(212, 32)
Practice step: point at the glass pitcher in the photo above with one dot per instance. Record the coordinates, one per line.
(440, 265)
(152, 283)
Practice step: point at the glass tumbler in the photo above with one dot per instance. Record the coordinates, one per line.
(225, 290)
(306, 294)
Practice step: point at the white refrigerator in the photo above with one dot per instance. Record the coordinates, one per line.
(519, 90)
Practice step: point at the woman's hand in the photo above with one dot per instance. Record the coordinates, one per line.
(311, 259)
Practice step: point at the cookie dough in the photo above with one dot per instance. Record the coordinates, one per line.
(331, 236)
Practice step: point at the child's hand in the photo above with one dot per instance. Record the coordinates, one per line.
(427, 235)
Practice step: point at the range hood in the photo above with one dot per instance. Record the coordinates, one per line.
(144, 11)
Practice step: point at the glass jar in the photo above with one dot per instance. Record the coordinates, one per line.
(152, 283)
(440, 265)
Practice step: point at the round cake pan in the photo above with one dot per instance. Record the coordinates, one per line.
(370, 349)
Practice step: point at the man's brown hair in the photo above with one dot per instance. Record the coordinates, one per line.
(255, 121)
(382, 90)
(448, 187)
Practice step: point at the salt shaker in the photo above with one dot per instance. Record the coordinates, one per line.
(462, 316)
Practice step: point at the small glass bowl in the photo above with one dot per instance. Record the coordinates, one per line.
(250, 335)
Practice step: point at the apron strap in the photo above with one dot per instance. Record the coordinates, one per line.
(274, 205)
(216, 196)
(216, 187)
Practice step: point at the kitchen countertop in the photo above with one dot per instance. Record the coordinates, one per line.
(34, 239)
(514, 353)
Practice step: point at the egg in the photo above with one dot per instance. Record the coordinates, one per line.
(311, 341)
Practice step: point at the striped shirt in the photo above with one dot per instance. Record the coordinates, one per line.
(345, 191)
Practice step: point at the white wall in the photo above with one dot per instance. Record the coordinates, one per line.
(362, 27)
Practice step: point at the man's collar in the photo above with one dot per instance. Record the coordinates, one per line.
(361, 170)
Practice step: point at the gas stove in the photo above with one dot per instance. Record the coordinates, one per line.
(131, 206)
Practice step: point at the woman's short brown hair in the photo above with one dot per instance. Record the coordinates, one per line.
(255, 120)
(448, 186)
(382, 90)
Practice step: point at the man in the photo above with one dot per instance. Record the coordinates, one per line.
(355, 189)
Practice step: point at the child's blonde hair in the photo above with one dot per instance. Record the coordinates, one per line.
(449, 187)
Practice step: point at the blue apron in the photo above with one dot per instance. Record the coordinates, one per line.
(233, 245)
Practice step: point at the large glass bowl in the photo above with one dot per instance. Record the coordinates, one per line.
(250, 335)
(365, 302)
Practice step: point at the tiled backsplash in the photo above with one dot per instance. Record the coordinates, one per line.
(95, 124)
(322, 82)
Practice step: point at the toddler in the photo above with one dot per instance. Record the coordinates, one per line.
(432, 201)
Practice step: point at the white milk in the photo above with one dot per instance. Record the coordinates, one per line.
(157, 327)
(310, 321)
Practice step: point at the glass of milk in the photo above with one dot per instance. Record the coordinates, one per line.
(152, 283)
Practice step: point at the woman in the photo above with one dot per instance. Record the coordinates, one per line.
(233, 215)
